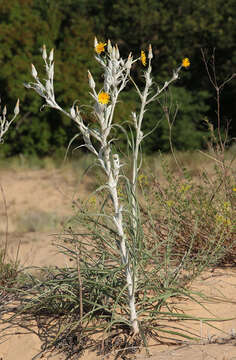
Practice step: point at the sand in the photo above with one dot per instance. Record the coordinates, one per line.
(38, 202)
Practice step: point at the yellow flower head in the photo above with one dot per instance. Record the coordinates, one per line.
(185, 188)
(234, 189)
(170, 203)
(100, 47)
(143, 180)
(226, 205)
(186, 62)
(223, 220)
(103, 97)
(92, 201)
(120, 193)
(143, 58)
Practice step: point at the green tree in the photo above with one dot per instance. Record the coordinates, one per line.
(175, 29)
(25, 26)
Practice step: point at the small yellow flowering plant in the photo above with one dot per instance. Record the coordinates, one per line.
(99, 141)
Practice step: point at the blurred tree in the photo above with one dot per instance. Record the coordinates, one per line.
(25, 26)
(175, 29)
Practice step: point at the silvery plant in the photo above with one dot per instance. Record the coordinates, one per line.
(4, 123)
(116, 74)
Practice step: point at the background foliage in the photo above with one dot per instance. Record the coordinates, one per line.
(174, 28)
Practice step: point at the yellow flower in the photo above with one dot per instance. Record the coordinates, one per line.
(170, 203)
(185, 188)
(100, 47)
(223, 220)
(143, 180)
(226, 205)
(120, 193)
(143, 58)
(103, 97)
(186, 62)
(92, 201)
(234, 189)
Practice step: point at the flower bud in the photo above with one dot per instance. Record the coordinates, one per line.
(4, 112)
(51, 55)
(117, 53)
(113, 52)
(17, 107)
(109, 47)
(34, 71)
(150, 54)
(129, 62)
(44, 53)
(91, 81)
(72, 112)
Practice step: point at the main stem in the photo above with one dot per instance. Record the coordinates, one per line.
(125, 260)
(118, 221)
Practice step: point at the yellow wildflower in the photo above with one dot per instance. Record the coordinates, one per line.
(185, 188)
(100, 47)
(120, 193)
(143, 180)
(170, 203)
(226, 205)
(223, 220)
(143, 58)
(103, 97)
(92, 201)
(234, 189)
(186, 62)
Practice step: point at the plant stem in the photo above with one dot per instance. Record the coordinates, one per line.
(118, 221)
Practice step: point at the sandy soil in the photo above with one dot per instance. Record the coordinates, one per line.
(37, 204)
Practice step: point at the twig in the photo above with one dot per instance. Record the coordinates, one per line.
(80, 283)
(6, 229)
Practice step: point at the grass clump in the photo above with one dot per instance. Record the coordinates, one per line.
(37, 220)
(8, 271)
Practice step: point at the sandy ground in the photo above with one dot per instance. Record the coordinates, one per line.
(38, 202)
